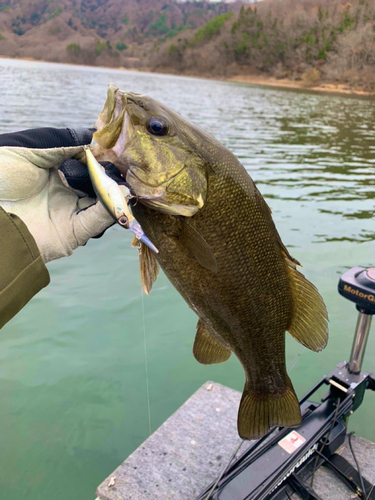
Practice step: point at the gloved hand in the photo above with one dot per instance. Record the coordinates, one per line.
(31, 186)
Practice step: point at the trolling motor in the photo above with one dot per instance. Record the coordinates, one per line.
(284, 462)
(358, 285)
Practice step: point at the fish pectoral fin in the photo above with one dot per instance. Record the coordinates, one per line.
(198, 247)
(309, 323)
(259, 412)
(208, 350)
(148, 265)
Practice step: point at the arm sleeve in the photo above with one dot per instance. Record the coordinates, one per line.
(22, 270)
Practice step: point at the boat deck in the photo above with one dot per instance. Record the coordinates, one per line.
(181, 458)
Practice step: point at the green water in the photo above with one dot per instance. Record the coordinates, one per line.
(73, 399)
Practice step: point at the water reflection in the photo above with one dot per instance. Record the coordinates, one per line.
(362, 237)
(321, 151)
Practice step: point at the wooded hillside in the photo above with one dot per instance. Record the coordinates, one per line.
(308, 40)
(97, 32)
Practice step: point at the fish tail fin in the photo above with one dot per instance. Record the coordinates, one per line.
(309, 324)
(260, 411)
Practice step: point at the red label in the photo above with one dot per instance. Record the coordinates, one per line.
(291, 442)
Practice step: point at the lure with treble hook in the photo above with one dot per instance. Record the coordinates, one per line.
(111, 196)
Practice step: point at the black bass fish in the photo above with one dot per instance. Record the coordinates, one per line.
(219, 247)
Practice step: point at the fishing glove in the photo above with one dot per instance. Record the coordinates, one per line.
(32, 187)
(45, 212)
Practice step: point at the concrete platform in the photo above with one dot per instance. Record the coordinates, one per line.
(192, 447)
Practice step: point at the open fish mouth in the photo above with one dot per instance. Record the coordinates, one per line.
(120, 145)
(104, 150)
(154, 165)
(112, 129)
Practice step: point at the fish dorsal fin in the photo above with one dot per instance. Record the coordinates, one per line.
(309, 323)
(198, 247)
(208, 350)
(148, 266)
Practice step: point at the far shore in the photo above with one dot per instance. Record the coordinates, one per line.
(336, 88)
(251, 79)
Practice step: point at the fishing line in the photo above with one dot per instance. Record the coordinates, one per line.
(146, 361)
(294, 362)
(357, 464)
(238, 447)
(368, 496)
(325, 442)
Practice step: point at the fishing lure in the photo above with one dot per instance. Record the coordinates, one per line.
(115, 199)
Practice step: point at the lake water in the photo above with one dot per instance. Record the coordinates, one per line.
(73, 401)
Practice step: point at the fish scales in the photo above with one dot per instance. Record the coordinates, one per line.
(234, 301)
(219, 247)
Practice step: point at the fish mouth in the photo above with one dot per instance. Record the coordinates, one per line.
(116, 126)
(112, 127)
(155, 197)
(160, 205)
(103, 151)
(148, 184)
(141, 189)
(120, 145)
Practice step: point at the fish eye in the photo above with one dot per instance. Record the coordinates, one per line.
(157, 126)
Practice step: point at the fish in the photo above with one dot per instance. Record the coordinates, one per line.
(219, 247)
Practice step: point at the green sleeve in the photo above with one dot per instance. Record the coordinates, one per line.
(22, 269)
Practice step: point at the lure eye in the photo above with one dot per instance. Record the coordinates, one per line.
(157, 126)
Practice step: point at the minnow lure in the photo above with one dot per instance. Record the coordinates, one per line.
(114, 200)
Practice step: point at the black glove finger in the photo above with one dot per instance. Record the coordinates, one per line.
(47, 137)
(113, 172)
(77, 175)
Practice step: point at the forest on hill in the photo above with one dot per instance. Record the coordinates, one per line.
(97, 32)
(306, 41)
(303, 40)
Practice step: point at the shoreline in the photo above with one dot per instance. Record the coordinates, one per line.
(324, 87)
(341, 89)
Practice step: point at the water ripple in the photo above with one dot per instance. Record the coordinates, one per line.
(73, 400)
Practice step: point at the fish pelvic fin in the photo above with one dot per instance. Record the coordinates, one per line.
(259, 412)
(309, 324)
(208, 350)
(148, 266)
